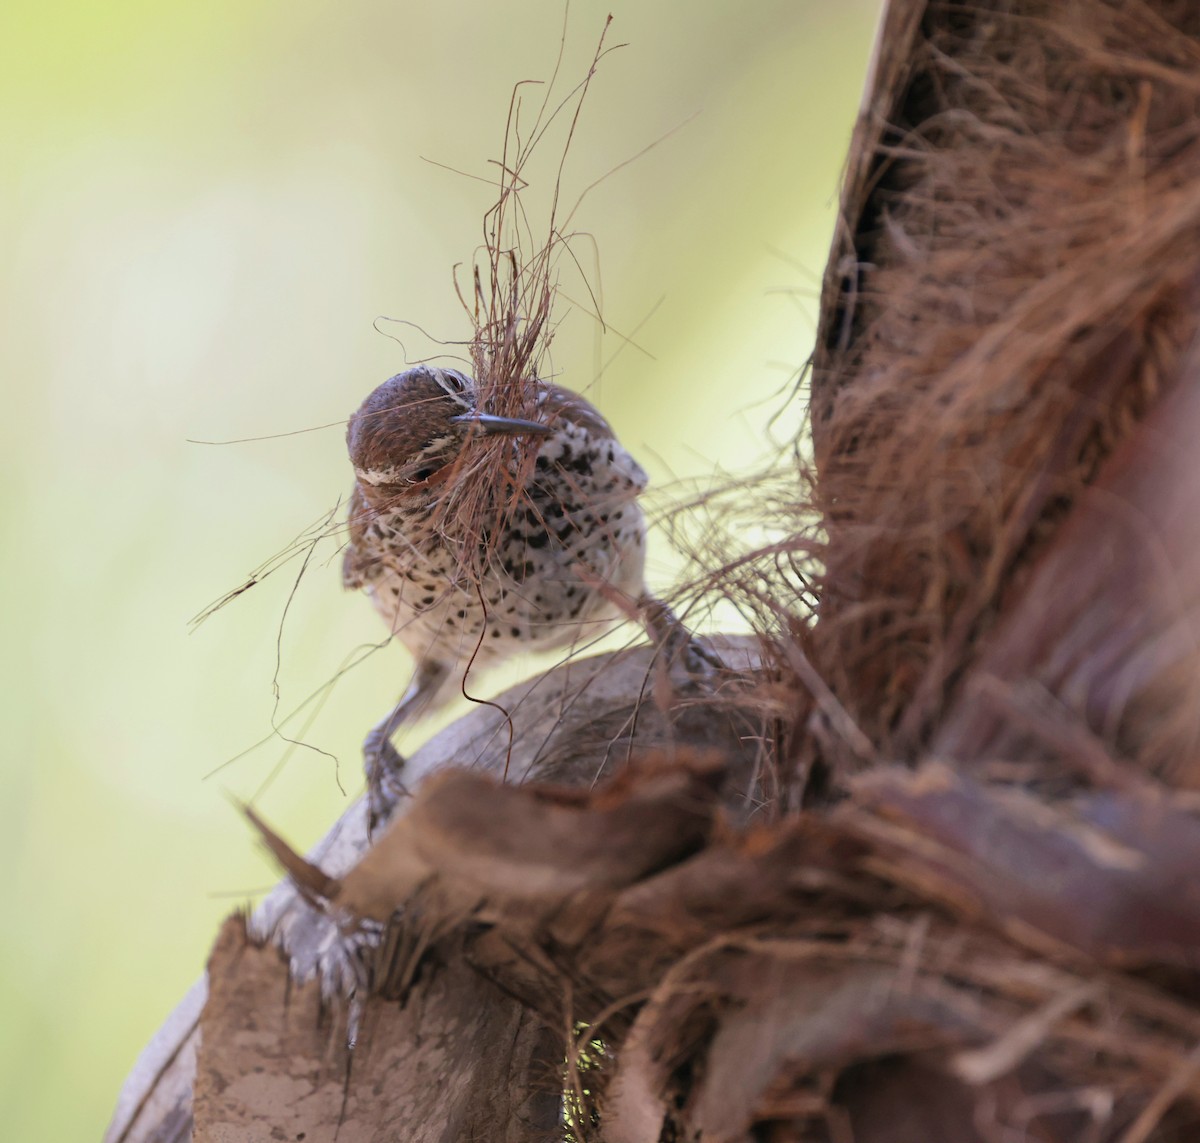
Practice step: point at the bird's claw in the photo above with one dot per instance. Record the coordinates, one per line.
(384, 764)
(699, 661)
(676, 642)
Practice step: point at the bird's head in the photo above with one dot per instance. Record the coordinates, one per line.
(408, 434)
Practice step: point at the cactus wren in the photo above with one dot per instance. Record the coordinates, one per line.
(544, 572)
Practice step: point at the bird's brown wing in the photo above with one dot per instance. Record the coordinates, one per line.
(560, 402)
(359, 567)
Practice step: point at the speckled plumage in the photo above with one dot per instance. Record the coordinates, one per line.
(537, 583)
(581, 512)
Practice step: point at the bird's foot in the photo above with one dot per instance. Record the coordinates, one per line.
(384, 764)
(382, 761)
(676, 642)
(699, 660)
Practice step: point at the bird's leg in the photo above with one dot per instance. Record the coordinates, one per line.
(381, 760)
(668, 633)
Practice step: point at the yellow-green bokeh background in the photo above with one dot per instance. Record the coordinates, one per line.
(205, 206)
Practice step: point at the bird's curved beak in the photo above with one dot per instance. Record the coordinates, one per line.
(507, 426)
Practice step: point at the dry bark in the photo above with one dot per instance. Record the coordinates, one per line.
(572, 725)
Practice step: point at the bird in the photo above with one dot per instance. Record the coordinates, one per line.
(556, 553)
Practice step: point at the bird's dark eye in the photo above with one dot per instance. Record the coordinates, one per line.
(425, 473)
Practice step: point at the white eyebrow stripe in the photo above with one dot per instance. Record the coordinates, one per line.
(455, 386)
(378, 475)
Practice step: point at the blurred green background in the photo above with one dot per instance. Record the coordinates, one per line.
(206, 207)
